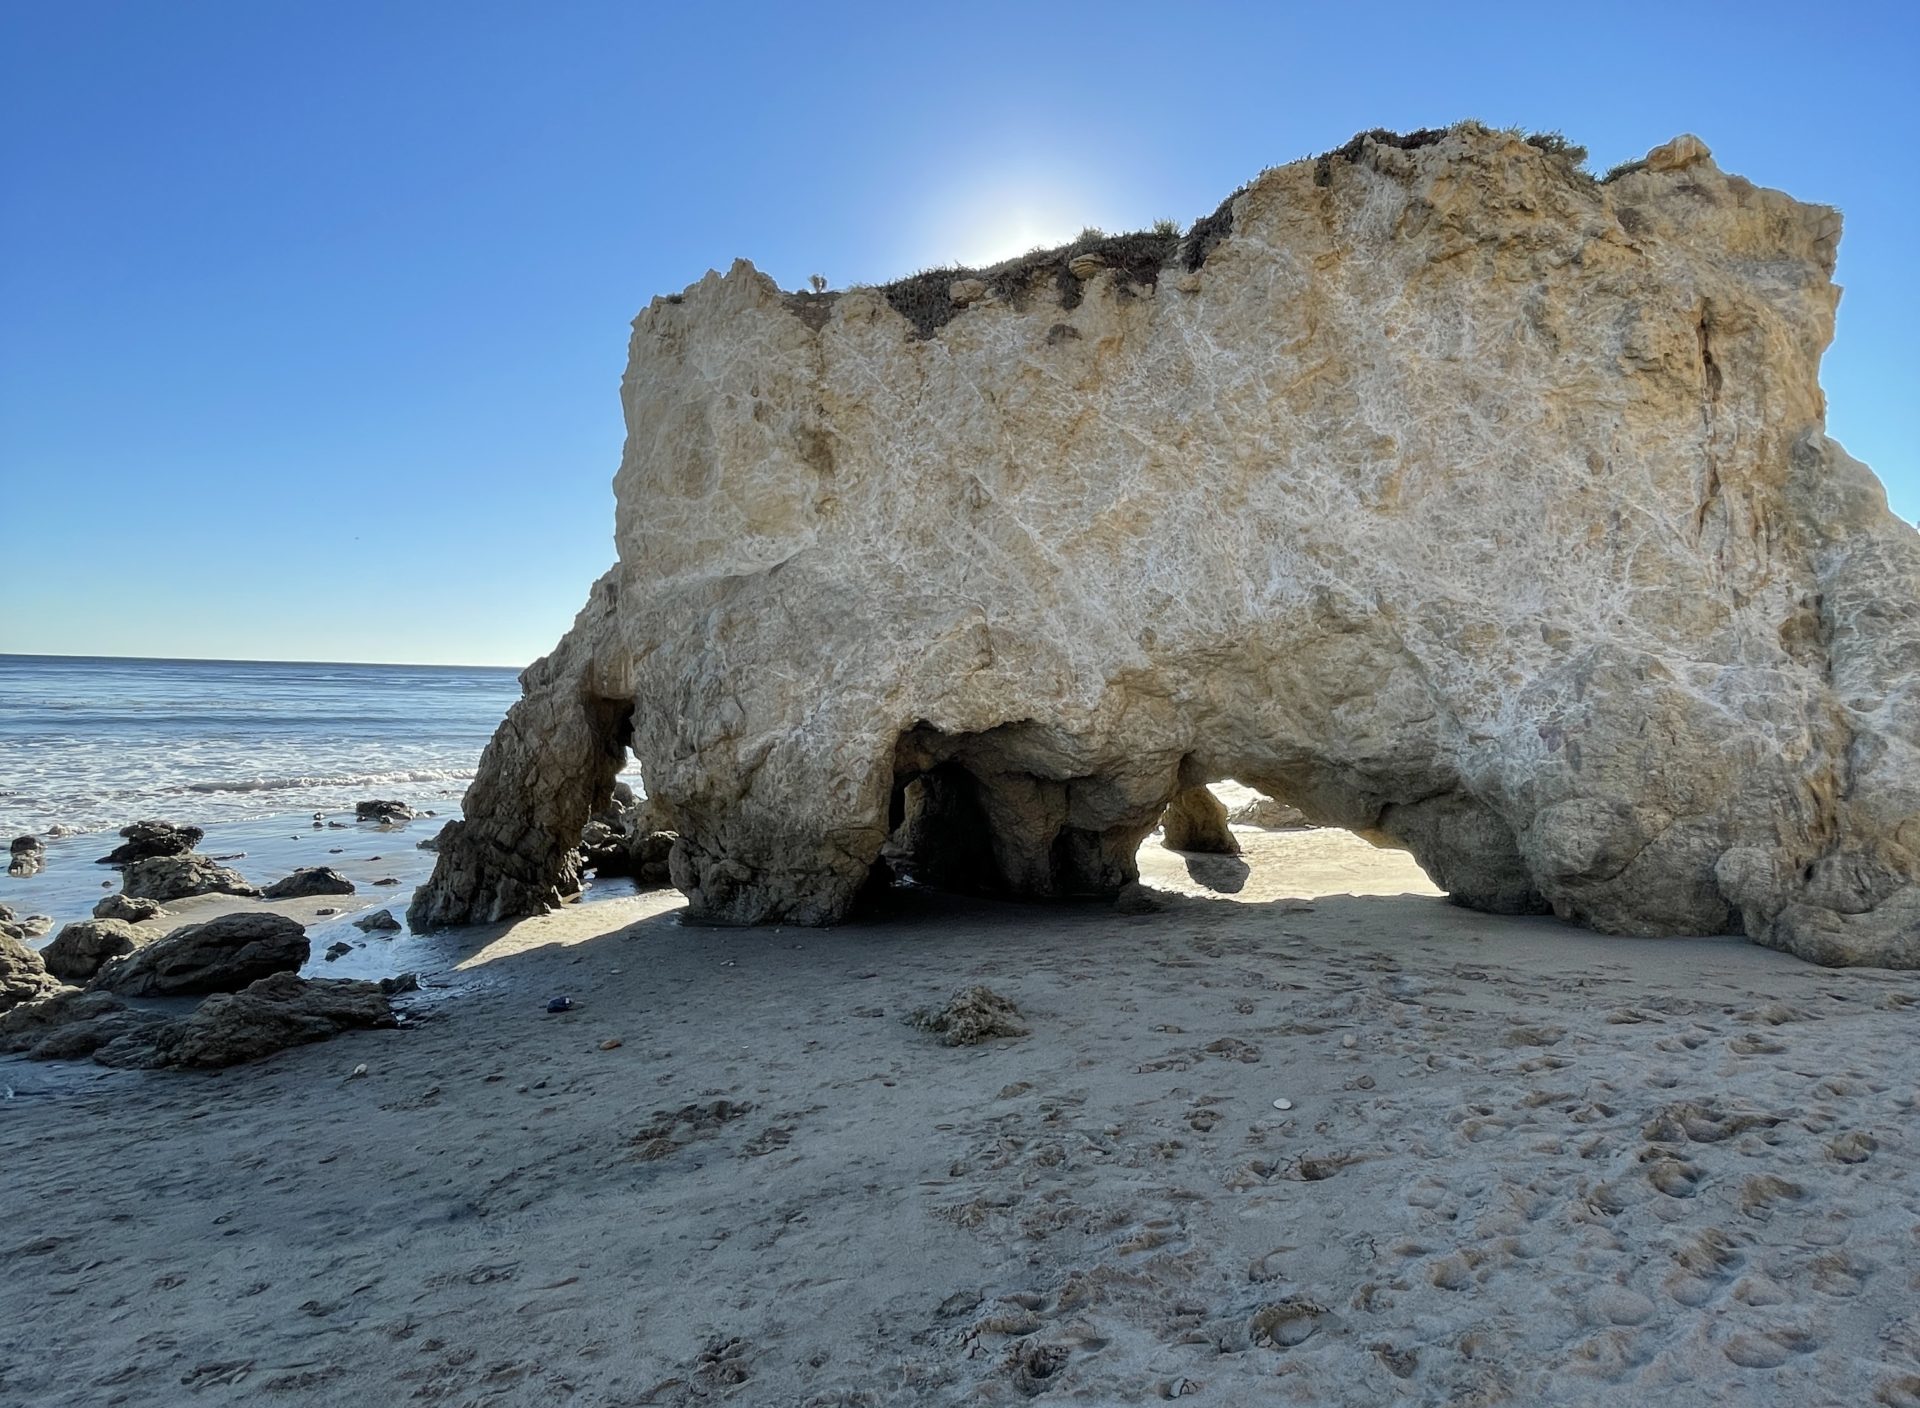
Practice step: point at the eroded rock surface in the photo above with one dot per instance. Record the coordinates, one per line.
(179, 877)
(78, 950)
(1196, 820)
(23, 974)
(1432, 488)
(146, 839)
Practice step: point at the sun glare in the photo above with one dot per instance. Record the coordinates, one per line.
(1000, 216)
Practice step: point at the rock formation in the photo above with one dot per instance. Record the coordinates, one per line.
(80, 949)
(1196, 820)
(179, 877)
(146, 839)
(220, 955)
(1431, 487)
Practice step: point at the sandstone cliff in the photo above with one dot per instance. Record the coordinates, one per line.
(1431, 487)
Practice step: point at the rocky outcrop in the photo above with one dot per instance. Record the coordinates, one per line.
(146, 839)
(23, 975)
(68, 1024)
(1196, 820)
(308, 881)
(78, 950)
(134, 911)
(218, 956)
(163, 878)
(266, 1017)
(1432, 488)
(26, 856)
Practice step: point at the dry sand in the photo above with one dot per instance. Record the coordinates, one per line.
(1523, 1164)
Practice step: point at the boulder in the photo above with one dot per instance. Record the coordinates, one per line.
(163, 878)
(383, 811)
(308, 881)
(381, 921)
(23, 975)
(134, 911)
(1268, 814)
(66, 1024)
(1461, 499)
(1196, 820)
(146, 839)
(218, 956)
(26, 856)
(267, 1016)
(79, 949)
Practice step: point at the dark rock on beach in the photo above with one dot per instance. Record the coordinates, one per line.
(268, 1016)
(164, 878)
(147, 839)
(25, 856)
(310, 880)
(379, 922)
(82, 947)
(220, 955)
(378, 810)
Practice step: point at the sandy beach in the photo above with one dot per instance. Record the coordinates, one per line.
(1522, 1163)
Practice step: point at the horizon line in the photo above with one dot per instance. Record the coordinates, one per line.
(238, 660)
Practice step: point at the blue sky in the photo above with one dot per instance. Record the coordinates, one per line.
(312, 315)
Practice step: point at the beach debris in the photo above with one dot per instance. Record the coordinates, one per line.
(612, 1043)
(381, 921)
(165, 878)
(308, 881)
(673, 1128)
(1283, 1104)
(221, 955)
(25, 856)
(560, 1004)
(357, 1072)
(147, 839)
(971, 1016)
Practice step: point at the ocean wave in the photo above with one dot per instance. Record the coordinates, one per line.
(360, 779)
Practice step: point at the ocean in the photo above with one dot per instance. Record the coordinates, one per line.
(93, 744)
(267, 758)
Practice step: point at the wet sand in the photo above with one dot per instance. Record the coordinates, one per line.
(1522, 1164)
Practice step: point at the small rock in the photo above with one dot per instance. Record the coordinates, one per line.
(965, 291)
(357, 1072)
(379, 922)
(309, 881)
(560, 1004)
(134, 911)
(325, 911)
(1085, 266)
(26, 856)
(387, 880)
(380, 810)
(1283, 1104)
(612, 1043)
(337, 951)
(147, 839)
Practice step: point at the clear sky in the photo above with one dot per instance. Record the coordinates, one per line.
(312, 315)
